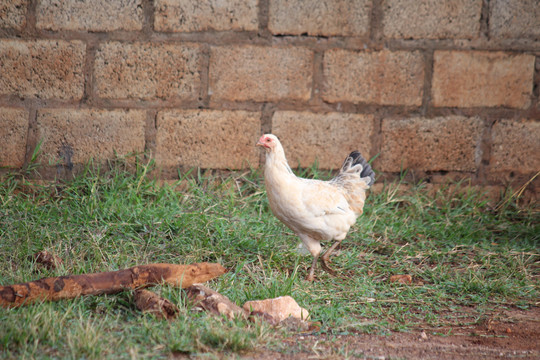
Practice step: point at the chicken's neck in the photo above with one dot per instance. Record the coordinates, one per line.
(276, 167)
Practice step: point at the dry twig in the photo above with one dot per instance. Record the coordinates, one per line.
(72, 286)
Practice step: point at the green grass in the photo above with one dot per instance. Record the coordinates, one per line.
(461, 252)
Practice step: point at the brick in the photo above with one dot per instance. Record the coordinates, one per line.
(13, 134)
(381, 77)
(195, 15)
(148, 71)
(515, 146)
(74, 136)
(13, 14)
(208, 139)
(439, 144)
(482, 79)
(95, 15)
(431, 19)
(257, 73)
(325, 18)
(514, 19)
(42, 68)
(326, 138)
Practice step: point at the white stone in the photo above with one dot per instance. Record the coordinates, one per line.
(279, 308)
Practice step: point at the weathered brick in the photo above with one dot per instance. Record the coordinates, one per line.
(326, 138)
(439, 144)
(514, 19)
(515, 146)
(326, 18)
(95, 15)
(74, 136)
(382, 77)
(42, 68)
(195, 15)
(207, 138)
(257, 73)
(431, 19)
(13, 133)
(478, 79)
(147, 71)
(13, 14)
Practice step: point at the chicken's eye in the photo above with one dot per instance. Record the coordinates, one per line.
(268, 140)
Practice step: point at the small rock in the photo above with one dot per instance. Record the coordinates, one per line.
(402, 279)
(423, 335)
(279, 308)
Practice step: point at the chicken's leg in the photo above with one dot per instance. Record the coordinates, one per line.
(311, 275)
(314, 247)
(325, 259)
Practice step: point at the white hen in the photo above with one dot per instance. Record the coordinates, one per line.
(315, 210)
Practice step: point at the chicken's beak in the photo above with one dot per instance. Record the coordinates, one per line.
(261, 143)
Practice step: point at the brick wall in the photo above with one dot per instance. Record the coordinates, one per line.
(448, 89)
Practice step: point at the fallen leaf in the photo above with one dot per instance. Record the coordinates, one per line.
(47, 259)
(402, 279)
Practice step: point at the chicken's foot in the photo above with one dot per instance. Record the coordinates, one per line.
(328, 269)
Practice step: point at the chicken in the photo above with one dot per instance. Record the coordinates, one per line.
(315, 210)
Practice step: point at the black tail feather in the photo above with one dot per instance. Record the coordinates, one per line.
(357, 158)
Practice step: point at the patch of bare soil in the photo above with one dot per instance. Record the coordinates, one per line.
(506, 334)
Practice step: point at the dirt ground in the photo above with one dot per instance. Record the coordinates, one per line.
(507, 334)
